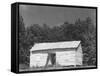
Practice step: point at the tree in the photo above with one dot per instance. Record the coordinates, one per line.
(23, 50)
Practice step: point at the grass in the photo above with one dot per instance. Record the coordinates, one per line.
(23, 67)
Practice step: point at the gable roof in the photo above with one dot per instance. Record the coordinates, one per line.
(55, 45)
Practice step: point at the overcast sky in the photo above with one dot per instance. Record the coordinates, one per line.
(52, 16)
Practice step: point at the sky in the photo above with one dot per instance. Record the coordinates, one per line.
(52, 16)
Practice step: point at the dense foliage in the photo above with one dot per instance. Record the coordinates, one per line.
(83, 30)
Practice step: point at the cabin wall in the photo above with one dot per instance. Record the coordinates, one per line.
(38, 59)
(65, 58)
(79, 55)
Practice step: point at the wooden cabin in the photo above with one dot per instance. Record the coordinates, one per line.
(67, 53)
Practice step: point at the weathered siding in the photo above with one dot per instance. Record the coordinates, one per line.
(65, 58)
(79, 55)
(37, 60)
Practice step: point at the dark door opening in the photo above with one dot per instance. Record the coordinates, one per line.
(52, 58)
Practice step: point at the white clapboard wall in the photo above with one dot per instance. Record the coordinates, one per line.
(65, 58)
(38, 60)
(79, 55)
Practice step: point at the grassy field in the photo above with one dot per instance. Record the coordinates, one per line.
(23, 67)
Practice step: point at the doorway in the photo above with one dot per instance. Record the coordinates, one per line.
(51, 58)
